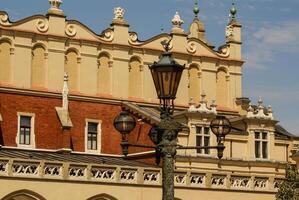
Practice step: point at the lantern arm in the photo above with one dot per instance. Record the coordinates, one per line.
(200, 147)
(141, 145)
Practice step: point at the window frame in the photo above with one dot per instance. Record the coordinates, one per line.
(203, 136)
(260, 140)
(98, 139)
(31, 145)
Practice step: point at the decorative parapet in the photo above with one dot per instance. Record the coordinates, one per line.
(260, 112)
(63, 112)
(202, 107)
(63, 171)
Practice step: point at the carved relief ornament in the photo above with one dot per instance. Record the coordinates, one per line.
(70, 30)
(4, 19)
(42, 25)
(191, 47)
(107, 35)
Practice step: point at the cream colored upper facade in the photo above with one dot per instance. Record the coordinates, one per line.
(37, 51)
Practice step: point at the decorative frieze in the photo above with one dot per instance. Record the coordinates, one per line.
(3, 167)
(103, 174)
(52, 170)
(238, 182)
(151, 177)
(260, 183)
(180, 178)
(128, 176)
(133, 175)
(218, 181)
(197, 180)
(25, 169)
(77, 171)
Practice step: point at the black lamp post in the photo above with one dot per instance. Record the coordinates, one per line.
(166, 75)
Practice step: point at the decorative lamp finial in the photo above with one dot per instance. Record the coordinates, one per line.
(55, 7)
(177, 21)
(196, 9)
(233, 11)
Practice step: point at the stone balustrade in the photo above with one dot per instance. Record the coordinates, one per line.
(134, 175)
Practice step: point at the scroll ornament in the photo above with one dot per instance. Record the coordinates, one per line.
(70, 30)
(191, 47)
(42, 25)
(4, 20)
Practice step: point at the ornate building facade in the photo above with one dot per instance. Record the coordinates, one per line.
(61, 86)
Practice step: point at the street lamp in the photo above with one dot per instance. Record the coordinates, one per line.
(166, 75)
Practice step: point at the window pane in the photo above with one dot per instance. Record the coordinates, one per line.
(94, 145)
(264, 135)
(207, 143)
(25, 121)
(257, 149)
(92, 127)
(198, 130)
(257, 135)
(22, 136)
(199, 143)
(27, 137)
(265, 150)
(207, 131)
(89, 144)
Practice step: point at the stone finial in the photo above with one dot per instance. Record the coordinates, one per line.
(203, 97)
(119, 13)
(65, 92)
(270, 112)
(196, 9)
(119, 17)
(233, 11)
(259, 111)
(55, 7)
(63, 112)
(214, 106)
(177, 21)
(203, 106)
(260, 103)
(192, 107)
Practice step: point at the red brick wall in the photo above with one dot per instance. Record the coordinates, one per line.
(48, 130)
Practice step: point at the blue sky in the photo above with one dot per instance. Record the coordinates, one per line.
(270, 37)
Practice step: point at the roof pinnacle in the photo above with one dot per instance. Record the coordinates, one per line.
(233, 11)
(196, 9)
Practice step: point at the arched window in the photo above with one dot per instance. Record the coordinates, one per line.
(23, 195)
(102, 197)
(104, 74)
(71, 68)
(5, 63)
(194, 83)
(135, 77)
(38, 71)
(222, 90)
